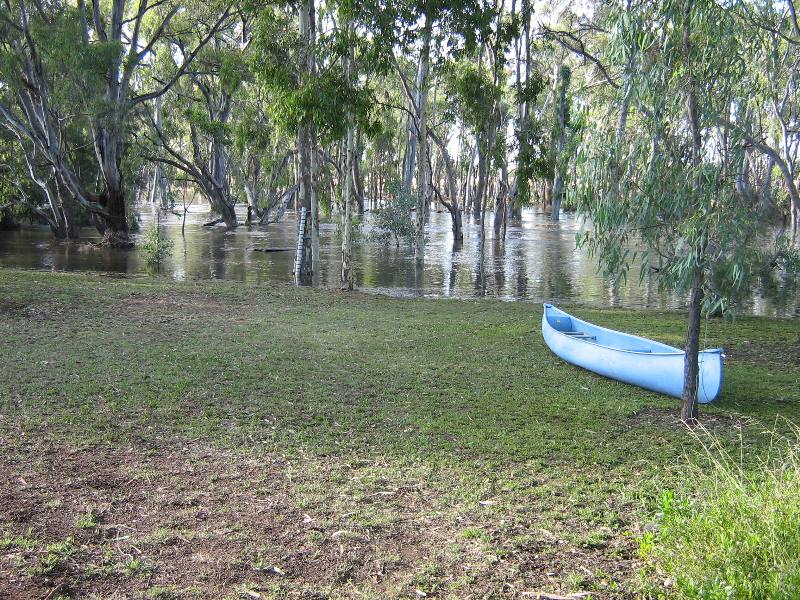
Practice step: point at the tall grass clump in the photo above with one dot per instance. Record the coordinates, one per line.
(738, 534)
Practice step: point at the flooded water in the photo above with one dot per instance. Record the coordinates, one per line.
(538, 262)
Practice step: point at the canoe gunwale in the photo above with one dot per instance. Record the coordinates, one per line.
(674, 352)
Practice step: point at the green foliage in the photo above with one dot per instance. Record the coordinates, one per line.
(78, 68)
(644, 190)
(155, 247)
(394, 221)
(296, 97)
(87, 520)
(737, 536)
(54, 556)
(472, 90)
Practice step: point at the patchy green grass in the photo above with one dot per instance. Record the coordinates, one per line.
(447, 422)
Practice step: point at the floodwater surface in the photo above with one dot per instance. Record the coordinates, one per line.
(538, 261)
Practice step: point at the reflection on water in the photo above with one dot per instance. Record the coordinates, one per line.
(537, 261)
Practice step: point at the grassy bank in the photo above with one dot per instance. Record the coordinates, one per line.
(214, 439)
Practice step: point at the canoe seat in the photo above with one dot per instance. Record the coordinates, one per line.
(583, 336)
(562, 324)
(573, 333)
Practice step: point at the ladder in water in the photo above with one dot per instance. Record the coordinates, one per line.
(298, 257)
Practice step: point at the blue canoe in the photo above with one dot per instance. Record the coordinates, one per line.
(629, 358)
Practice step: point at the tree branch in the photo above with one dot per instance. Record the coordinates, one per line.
(576, 45)
(214, 29)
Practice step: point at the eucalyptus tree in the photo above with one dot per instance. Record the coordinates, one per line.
(285, 64)
(85, 69)
(306, 135)
(476, 91)
(261, 157)
(348, 64)
(27, 187)
(769, 115)
(197, 112)
(663, 179)
(27, 191)
(431, 30)
(326, 107)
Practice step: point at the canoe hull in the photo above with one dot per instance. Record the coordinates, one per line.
(647, 364)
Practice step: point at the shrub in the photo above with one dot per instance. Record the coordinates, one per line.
(394, 220)
(155, 247)
(738, 536)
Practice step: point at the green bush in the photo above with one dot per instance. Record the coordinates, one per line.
(394, 221)
(738, 536)
(155, 247)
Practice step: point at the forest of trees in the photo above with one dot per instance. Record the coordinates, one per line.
(674, 124)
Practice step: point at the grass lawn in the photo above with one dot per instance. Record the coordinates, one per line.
(219, 440)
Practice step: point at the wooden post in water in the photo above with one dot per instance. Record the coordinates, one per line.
(298, 257)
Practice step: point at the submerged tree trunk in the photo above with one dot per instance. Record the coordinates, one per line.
(304, 150)
(452, 206)
(221, 196)
(422, 144)
(480, 189)
(559, 165)
(347, 246)
(500, 205)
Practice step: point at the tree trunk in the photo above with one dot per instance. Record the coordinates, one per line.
(358, 180)
(690, 369)
(67, 213)
(559, 165)
(480, 190)
(306, 193)
(409, 154)
(691, 364)
(453, 205)
(311, 37)
(219, 180)
(114, 224)
(347, 246)
(500, 204)
(422, 143)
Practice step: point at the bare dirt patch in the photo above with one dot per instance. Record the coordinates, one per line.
(41, 311)
(663, 418)
(193, 521)
(178, 303)
(787, 353)
(201, 522)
